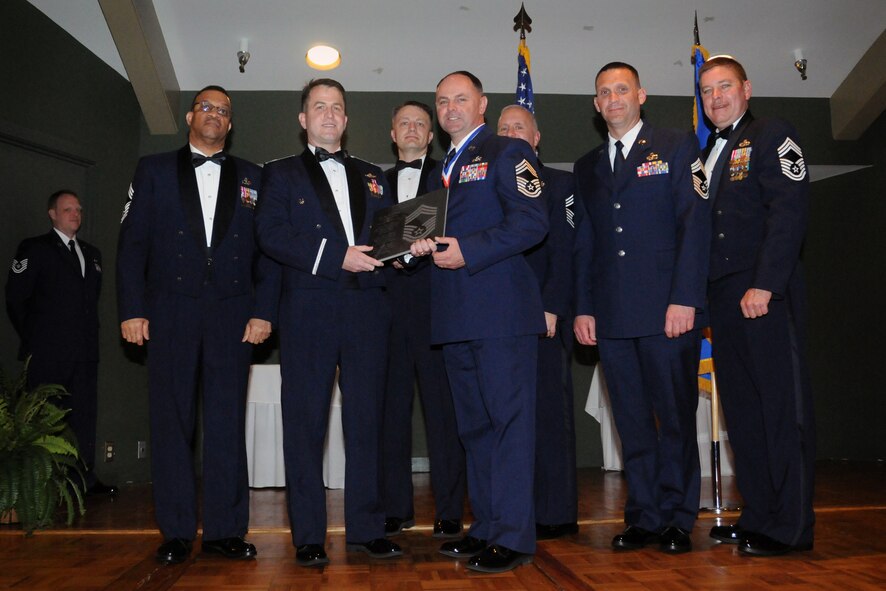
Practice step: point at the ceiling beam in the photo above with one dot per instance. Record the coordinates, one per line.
(139, 40)
(861, 97)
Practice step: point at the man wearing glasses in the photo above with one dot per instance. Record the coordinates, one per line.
(192, 284)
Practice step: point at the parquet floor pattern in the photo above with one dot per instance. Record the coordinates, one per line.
(111, 548)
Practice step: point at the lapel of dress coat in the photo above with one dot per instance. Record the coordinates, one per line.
(725, 154)
(602, 170)
(227, 200)
(322, 190)
(190, 196)
(426, 169)
(357, 196)
(391, 174)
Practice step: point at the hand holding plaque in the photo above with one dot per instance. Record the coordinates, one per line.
(395, 228)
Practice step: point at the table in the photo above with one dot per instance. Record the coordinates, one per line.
(264, 432)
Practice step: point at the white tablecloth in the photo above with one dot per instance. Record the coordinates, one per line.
(264, 432)
(598, 407)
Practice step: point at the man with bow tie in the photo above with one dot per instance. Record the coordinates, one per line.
(193, 286)
(314, 219)
(760, 192)
(641, 270)
(412, 356)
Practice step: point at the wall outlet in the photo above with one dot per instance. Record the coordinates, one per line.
(109, 451)
(142, 450)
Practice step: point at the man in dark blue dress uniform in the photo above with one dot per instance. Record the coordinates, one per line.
(314, 220)
(191, 283)
(52, 299)
(641, 282)
(412, 356)
(760, 194)
(486, 311)
(556, 492)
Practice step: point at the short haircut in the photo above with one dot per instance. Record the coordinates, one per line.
(618, 66)
(214, 87)
(417, 104)
(53, 199)
(726, 61)
(306, 91)
(517, 106)
(474, 80)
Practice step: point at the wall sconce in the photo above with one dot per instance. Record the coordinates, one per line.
(800, 63)
(323, 57)
(243, 55)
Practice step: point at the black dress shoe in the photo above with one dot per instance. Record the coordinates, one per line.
(311, 555)
(464, 548)
(174, 551)
(395, 525)
(675, 540)
(551, 532)
(100, 488)
(377, 548)
(498, 559)
(728, 534)
(762, 545)
(447, 528)
(634, 538)
(236, 548)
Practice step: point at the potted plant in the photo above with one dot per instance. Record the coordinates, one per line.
(39, 469)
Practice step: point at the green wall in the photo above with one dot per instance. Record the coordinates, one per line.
(68, 119)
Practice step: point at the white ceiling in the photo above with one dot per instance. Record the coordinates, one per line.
(407, 45)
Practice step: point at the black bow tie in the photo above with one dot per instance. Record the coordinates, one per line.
(199, 159)
(324, 155)
(716, 135)
(401, 164)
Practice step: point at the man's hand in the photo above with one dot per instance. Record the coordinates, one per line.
(551, 322)
(445, 258)
(257, 331)
(451, 257)
(679, 320)
(135, 330)
(356, 262)
(755, 303)
(585, 329)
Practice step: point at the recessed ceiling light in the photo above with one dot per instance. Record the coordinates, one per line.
(323, 57)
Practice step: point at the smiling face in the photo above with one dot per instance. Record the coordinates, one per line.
(460, 106)
(724, 95)
(411, 131)
(324, 117)
(209, 130)
(618, 100)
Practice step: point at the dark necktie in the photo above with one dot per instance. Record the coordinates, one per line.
(199, 159)
(73, 250)
(619, 160)
(324, 155)
(448, 160)
(401, 164)
(712, 140)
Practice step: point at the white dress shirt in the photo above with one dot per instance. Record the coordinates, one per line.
(208, 175)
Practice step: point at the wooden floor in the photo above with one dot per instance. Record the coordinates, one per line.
(112, 547)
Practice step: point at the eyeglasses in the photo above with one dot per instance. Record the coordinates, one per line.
(208, 107)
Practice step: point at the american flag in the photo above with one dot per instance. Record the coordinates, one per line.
(525, 96)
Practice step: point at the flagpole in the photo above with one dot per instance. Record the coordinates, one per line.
(716, 478)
